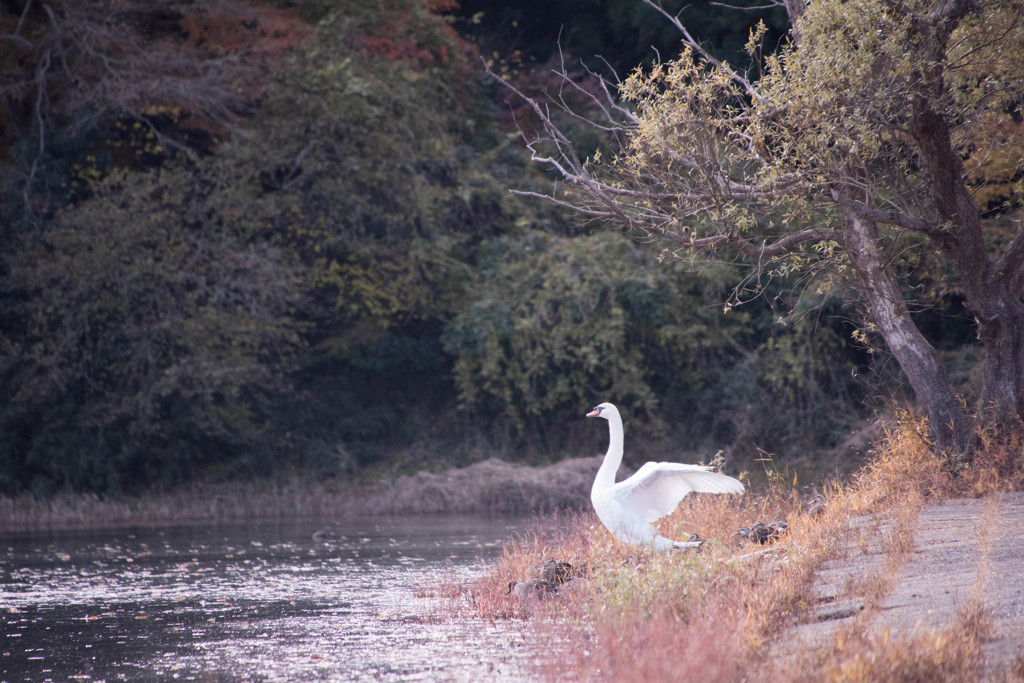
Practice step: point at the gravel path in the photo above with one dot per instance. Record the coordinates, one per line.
(963, 550)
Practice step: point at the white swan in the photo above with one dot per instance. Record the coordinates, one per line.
(629, 507)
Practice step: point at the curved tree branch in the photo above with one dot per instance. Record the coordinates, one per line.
(896, 218)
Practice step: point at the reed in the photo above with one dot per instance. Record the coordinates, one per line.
(491, 486)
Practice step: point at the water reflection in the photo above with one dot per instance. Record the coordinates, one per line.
(244, 602)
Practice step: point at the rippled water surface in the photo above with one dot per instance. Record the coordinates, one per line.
(253, 602)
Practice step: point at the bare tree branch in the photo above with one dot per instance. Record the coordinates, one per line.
(896, 218)
(551, 199)
(689, 41)
(749, 248)
(606, 107)
(755, 8)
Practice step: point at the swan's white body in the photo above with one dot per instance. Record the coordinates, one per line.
(629, 508)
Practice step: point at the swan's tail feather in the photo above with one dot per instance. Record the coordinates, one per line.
(661, 544)
(694, 543)
(686, 545)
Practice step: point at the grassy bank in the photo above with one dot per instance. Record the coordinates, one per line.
(727, 612)
(491, 486)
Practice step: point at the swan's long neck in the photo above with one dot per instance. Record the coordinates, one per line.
(613, 458)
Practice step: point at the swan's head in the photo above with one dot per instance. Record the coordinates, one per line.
(604, 410)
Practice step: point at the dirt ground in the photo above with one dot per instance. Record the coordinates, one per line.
(963, 551)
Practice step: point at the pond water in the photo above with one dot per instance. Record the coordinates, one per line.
(254, 602)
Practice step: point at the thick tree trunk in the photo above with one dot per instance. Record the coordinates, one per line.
(992, 289)
(1002, 391)
(950, 425)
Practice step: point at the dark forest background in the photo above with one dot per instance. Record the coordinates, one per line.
(243, 239)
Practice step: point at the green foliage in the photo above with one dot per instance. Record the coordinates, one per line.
(328, 284)
(146, 317)
(875, 62)
(168, 315)
(858, 152)
(369, 170)
(550, 331)
(375, 166)
(559, 324)
(753, 158)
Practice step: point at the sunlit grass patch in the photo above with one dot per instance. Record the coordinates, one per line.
(997, 465)
(952, 653)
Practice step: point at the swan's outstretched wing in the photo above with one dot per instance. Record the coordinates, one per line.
(657, 487)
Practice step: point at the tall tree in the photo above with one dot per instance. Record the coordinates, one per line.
(866, 142)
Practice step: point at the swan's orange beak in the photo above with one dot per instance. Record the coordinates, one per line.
(596, 412)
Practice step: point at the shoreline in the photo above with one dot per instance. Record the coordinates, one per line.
(489, 487)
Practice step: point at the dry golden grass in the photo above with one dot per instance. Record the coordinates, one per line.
(996, 466)
(725, 613)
